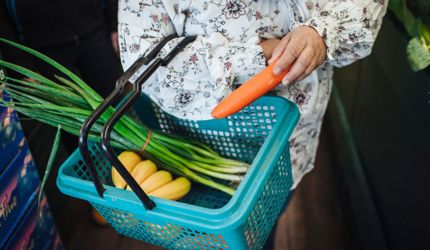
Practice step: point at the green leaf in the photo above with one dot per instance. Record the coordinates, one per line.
(94, 103)
(52, 91)
(425, 33)
(58, 66)
(48, 169)
(55, 109)
(20, 98)
(418, 55)
(411, 24)
(28, 73)
(43, 97)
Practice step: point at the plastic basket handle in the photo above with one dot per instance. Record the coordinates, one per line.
(121, 110)
(89, 122)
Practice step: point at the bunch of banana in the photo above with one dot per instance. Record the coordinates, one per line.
(157, 183)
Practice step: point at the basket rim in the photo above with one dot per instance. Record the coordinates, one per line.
(234, 212)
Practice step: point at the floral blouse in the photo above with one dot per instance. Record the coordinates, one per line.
(226, 53)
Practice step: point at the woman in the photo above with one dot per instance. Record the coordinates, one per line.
(236, 39)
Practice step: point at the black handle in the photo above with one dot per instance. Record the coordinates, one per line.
(89, 122)
(120, 111)
(123, 108)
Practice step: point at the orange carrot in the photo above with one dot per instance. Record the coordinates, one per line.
(251, 90)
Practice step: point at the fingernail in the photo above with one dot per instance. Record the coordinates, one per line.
(277, 71)
(270, 61)
(285, 81)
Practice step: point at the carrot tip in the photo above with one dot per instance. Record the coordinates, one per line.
(216, 114)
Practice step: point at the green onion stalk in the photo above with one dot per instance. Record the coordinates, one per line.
(68, 101)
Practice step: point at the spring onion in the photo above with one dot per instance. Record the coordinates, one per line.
(67, 102)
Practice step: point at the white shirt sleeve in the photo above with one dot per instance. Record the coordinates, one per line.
(349, 27)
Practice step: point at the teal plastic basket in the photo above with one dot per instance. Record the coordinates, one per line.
(205, 218)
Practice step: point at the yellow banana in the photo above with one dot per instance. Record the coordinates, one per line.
(129, 159)
(142, 171)
(156, 180)
(174, 190)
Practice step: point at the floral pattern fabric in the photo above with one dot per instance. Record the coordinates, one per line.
(226, 53)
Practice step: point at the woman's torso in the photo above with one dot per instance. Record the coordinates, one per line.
(236, 20)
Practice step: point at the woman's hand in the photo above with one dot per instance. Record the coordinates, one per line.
(303, 47)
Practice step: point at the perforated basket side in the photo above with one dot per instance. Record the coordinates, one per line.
(176, 236)
(240, 136)
(167, 234)
(103, 167)
(268, 206)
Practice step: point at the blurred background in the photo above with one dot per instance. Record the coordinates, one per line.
(370, 188)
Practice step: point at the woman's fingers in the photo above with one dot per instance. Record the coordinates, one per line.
(317, 60)
(304, 61)
(304, 48)
(292, 51)
(277, 52)
(308, 71)
(314, 64)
